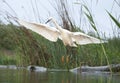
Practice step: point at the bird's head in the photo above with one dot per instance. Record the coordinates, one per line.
(49, 19)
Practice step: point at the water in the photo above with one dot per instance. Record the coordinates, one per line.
(25, 76)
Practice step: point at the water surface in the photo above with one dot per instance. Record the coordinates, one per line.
(25, 76)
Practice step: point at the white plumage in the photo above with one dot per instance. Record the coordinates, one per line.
(52, 34)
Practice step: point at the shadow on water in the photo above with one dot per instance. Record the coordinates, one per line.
(25, 76)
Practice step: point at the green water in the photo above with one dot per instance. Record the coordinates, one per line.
(24, 76)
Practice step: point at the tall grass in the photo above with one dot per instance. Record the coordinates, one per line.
(45, 53)
(92, 23)
(33, 49)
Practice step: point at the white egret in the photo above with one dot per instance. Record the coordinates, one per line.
(69, 38)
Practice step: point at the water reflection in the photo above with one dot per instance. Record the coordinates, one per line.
(24, 76)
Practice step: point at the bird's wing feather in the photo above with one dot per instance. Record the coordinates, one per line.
(82, 39)
(48, 32)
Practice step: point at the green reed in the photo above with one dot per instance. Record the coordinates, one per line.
(32, 49)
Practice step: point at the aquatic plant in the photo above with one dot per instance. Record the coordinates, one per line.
(31, 49)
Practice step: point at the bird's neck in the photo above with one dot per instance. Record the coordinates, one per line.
(57, 26)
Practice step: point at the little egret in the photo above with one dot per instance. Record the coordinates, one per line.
(52, 34)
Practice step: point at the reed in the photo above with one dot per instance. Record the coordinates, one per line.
(30, 48)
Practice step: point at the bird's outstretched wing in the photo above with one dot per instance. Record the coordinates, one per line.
(82, 39)
(44, 30)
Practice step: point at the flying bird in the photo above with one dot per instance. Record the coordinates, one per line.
(53, 33)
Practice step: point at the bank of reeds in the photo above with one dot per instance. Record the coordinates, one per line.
(33, 49)
(36, 50)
